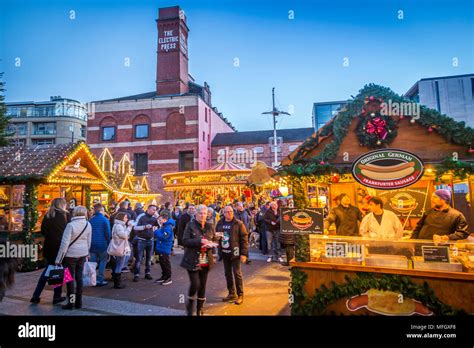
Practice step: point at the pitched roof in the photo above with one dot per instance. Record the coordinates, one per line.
(261, 137)
(34, 162)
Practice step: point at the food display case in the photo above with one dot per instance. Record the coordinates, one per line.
(409, 254)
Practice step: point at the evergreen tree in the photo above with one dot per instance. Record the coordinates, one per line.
(3, 111)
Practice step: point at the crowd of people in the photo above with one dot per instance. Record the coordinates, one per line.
(124, 239)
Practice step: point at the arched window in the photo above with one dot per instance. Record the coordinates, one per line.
(108, 129)
(141, 127)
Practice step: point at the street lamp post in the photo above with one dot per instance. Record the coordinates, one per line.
(275, 112)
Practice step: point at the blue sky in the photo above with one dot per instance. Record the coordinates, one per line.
(302, 57)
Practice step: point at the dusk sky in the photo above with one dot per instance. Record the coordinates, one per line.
(83, 58)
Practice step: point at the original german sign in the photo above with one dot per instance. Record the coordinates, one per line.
(387, 169)
(308, 220)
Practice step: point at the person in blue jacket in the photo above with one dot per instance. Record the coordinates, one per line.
(101, 236)
(164, 238)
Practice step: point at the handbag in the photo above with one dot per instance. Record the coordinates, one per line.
(89, 275)
(56, 275)
(117, 247)
(66, 278)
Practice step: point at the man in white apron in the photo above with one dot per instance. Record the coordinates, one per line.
(380, 223)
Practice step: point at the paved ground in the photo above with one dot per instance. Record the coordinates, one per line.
(265, 284)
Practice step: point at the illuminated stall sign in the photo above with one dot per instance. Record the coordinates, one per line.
(387, 169)
(309, 220)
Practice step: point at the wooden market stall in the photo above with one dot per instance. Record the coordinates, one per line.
(340, 158)
(223, 182)
(32, 176)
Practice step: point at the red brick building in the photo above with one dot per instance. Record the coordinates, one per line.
(166, 130)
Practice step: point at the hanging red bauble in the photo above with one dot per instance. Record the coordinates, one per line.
(371, 97)
(430, 130)
(402, 117)
(335, 178)
(321, 163)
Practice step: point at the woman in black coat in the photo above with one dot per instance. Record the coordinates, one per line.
(198, 240)
(52, 227)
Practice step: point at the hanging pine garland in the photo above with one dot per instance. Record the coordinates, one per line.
(303, 304)
(30, 218)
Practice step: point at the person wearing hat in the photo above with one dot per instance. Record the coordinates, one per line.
(442, 222)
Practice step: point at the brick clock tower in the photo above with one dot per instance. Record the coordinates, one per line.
(172, 63)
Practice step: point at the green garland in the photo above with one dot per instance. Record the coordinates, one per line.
(30, 218)
(302, 304)
(459, 169)
(87, 190)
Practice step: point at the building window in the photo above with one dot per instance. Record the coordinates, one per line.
(438, 104)
(17, 128)
(141, 163)
(44, 128)
(258, 149)
(43, 141)
(17, 142)
(205, 112)
(186, 161)
(203, 136)
(108, 133)
(472, 87)
(142, 131)
(83, 131)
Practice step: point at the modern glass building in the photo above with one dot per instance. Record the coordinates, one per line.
(325, 111)
(450, 95)
(57, 121)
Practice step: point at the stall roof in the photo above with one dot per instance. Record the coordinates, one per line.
(31, 162)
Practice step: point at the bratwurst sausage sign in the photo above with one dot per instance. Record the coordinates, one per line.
(387, 169)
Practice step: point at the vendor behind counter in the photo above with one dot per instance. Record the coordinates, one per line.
(442, 222)
(345, 216)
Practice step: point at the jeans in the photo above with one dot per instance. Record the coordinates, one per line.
(263, 241)
(143, 246)
(233, 272)
(76, 267)
(165, 266)
(198, 282)
(42, 281)
(272, 242)
(120, 263)
(101, 259)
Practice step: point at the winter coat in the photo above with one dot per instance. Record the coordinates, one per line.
(119, 243)
(53, 229)
(81, 247)
(164, 237)
(244, 217)
(100, 233)
(270, 217)
(239, 240)
(140, 230)
(192, 236)
(450, 222)
(183, 221)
